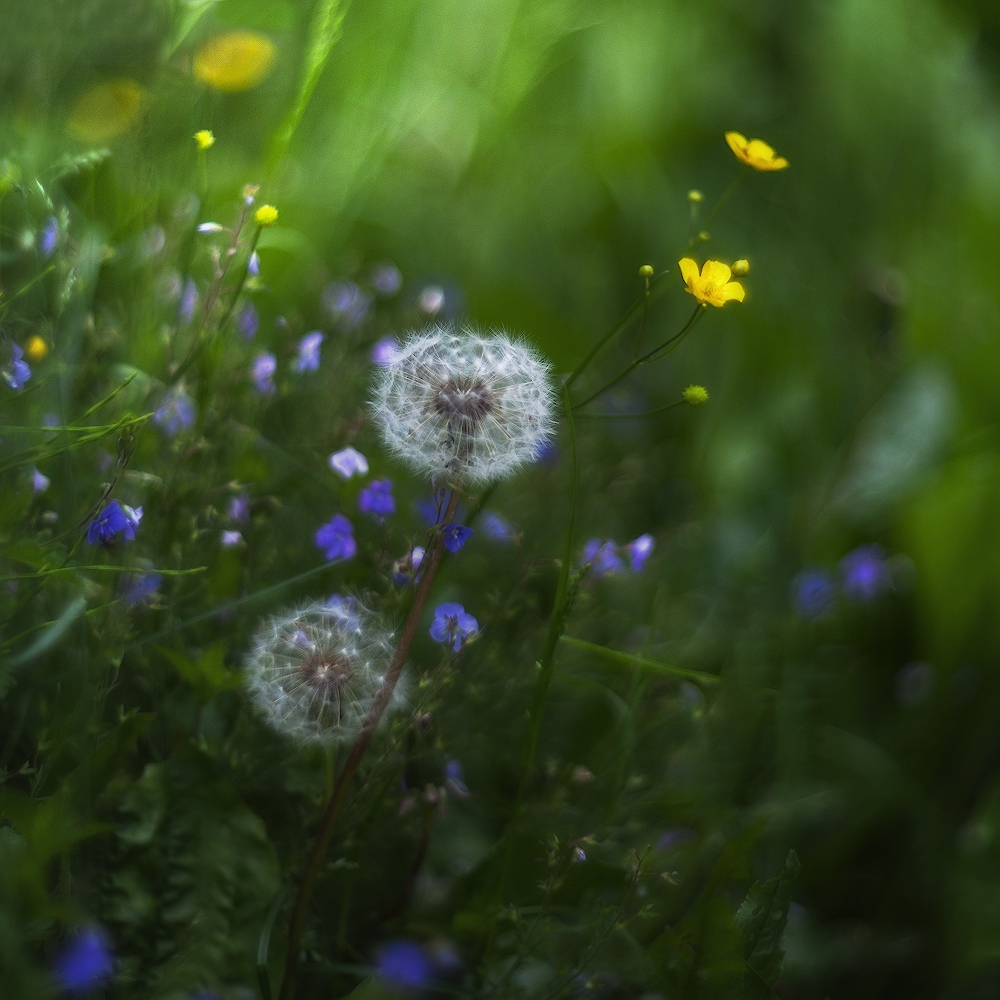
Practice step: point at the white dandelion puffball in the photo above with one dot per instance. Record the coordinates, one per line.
(467, 406)
(315, 671)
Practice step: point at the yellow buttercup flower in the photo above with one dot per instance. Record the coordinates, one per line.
(712, 286)
(204, 139)
(695, 395)
(755, 152)
(234, 60)
(266, 215)
(103, 111)
(36, 349)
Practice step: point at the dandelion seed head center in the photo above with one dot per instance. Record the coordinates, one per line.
(326, 671)
(464, 399)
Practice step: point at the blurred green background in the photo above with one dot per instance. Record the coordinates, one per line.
(528, 158)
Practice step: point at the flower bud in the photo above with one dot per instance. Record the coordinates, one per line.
(740, 267)
(695, 395)
(266, 215)
(695, 196)
(204, 139)
(646, 271)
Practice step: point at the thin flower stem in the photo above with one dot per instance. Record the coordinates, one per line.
(630, 416)
(642, 322)
(297, 924)
(723, 198)
(242, 281)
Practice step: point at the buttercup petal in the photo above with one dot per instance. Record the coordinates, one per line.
(715, 272)
(737, 143)
(757, 149)
(689, 270)
(732, 292)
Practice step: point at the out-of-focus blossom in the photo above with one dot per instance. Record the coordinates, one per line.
(385, 351)
(547, 453)
(239, 508)
(349, 462)
(308, 359)
(579, 854)
(452, 625)
(167, 287)
(16, 372)
(262, 373)
(673, 837)
(602, 556)
(432, 508)
(151, 242)
(336, 538)
(49, 239)
(346, 303)
(247, 321)
(39, 483)
(386, 279)
(141, 588)
(431, 300)
(865, 573)
(455, 536)
(105, 110)
(497, 528)
(204, 139)
(407, 569)
(344, 606)
(377, 498)
(208, 228)
(115, 518)
(229, 539)
(755, 152)
(253, 265)
(266, 215)
(35, 348)
(51, 420)
(639, 551)
(84, 961)
(176, 410)
(234, 60)
(404, 965)
(189, 301)
(695, 395)
(454, 779)
(813, 593)
(914, 683)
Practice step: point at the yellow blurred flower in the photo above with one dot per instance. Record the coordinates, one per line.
(741, 267)
(695, 395)
(9, 176)
(234, 60)
(36, 349)
(755, 152)
(266, 215)
(105, 110)
(204, 139)
(712, 286)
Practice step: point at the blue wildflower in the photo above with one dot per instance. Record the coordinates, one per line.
(813, 592)
(431, 300)
(336, 538)
(39, 483)
(17, 372)
(453, 778)
(406, 569)
(141, 588)
(239, 508)
(497, 528)
(262, 373)
(346, 303)
(113, 519)
(346, 609)
(452, 625)
(247, 321)
(189, 301)
(377, 498)
(176, 410)
(404, 965)
(385, 351)
(603, 557)
(349, 462)
(50, 237)
(253, 265)
(230, 539)
(455, 536)
(865, 573)
(386, 279)
(547, 453)
(84, 962)
(308, 359)
(639, 551)
(432, 508)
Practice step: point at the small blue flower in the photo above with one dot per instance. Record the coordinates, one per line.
(865, 573)
(50, 237)
(308, 359)
(407, 569)
(547, 453)
(336, 538)
(386, 279)
(17, 372)
(385, 351)
(813, 592)
(113, 519)
(454, 779)
(84, 962)
(239, 508)
(39, 483)
(639, 551)
(189, 301)
(377, 498)
(432, 508)
(346, 303)
(404, 964)
(455, 536)
(349, 462)
(498, 528)
(247, 321)
(176, 410)
(141, 588)
(230, 539)
(345, 608)
(452, 625)
(253, 265)
(262, 373)
(603, 557)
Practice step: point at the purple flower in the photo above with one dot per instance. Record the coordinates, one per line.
(348, 462)
(247, 321)
(189, 301)
(39, 483)
(176, 410)
(228, 539)
(497, 528)
(377, 498)
(308, 359)
(865, 573)
(253, 265)
(385, 351)
(813, 592)
(452, 624)
(404, 965)
(84, 961)
(431, 300)
(432, 508)
(49, 238)
(386, 279)
(639, 551)
(113, 519)
(345, 608)
(346, 303)
(239, 508)
(141, 588)
(453, 779)
(17, 372)
(548, 453)
(406, 569)
(455, 536)
(603, 557)
(336, 538)
(264, 367)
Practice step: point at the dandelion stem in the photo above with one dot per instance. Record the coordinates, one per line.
(358, 750)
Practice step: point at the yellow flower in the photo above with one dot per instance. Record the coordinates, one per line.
(741, 267)
(711, 287)
(36, 349)
(695, 395)
(204, 139)
(9, 176)
(266, 215)
(103, 111)
(755, 153)
(234, 60)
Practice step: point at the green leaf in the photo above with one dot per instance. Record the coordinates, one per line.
(627, 660)
(208, 675)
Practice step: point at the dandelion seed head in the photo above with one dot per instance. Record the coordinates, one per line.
(463, 405)
(315, 672)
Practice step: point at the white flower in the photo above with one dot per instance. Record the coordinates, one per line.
(464, 405)
(315, 672)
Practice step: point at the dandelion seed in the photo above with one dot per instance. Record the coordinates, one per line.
(84, 962)
(377, 498)
(247, 321)
(336, 538)
(603, 558)
(349, 462)
(712, 286)
(308, 359)
(204, 139)
(230, 539)
(455, 536)
(262, 372)
(452, 625)
(35, 348)
(49, 239)
(639, 551)
(39, 483)
(234, 60)
(315, 672)
(464, 406)
(17, 371)
(755, 152)
(176, 411)
(266, 215)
